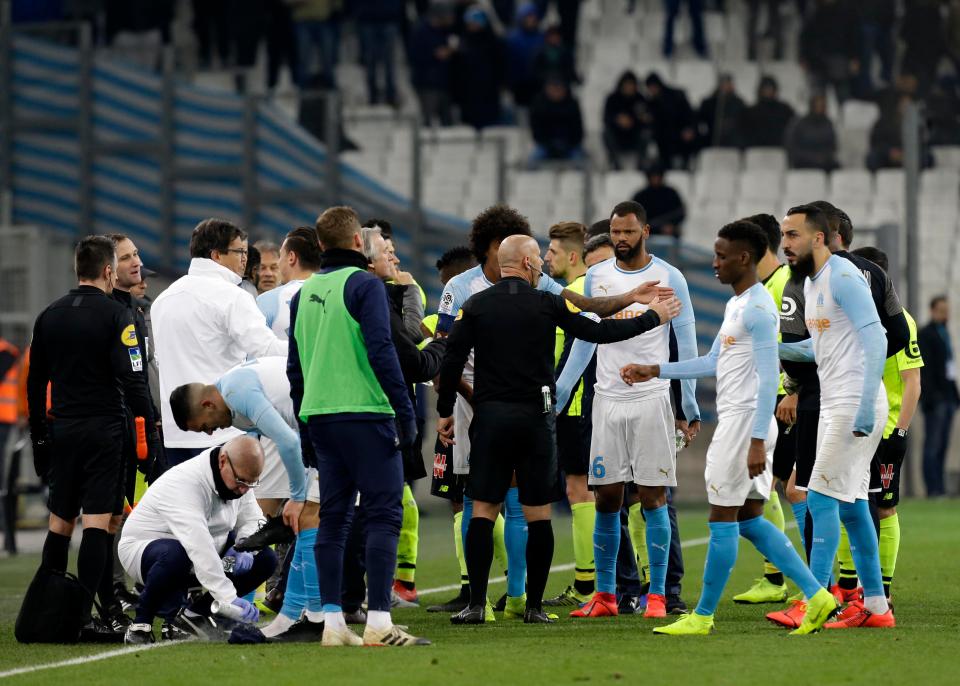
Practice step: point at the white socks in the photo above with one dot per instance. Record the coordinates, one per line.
(379, 620)
(315, 616)
(876, 604)
(334, 620)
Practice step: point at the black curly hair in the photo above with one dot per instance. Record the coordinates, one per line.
(494, 224)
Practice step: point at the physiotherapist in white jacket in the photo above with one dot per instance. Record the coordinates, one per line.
(205, 324)
(178, 533)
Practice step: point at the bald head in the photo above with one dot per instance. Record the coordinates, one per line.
(514, 248)
(247, 457)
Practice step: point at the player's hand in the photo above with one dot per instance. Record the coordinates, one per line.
(693, 429)
(404, 278)
(756, 458)
(666, 308)
(291, 514)
(646, 292)
(787, 409)
(638, 373)
(445, 431)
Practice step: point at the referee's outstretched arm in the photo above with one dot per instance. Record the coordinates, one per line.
(613, 330)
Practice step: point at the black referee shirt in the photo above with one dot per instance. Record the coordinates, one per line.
(511, 327)
(86, 344)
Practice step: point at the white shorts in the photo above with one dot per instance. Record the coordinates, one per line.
(726, 474)
(274, 480)
(633, 441)
(462, 416)
(842, 467)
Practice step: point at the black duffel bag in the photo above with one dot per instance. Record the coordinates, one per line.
(52, 609)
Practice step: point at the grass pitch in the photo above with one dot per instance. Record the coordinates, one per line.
(745, 649)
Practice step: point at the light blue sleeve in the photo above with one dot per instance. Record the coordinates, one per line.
(685, 329)
(696, 368)
(761, 321)
(243, 393)
(455, 293)
(581, 352)
(549, 285)
(851, 293)
(269, 303)
(798, 351)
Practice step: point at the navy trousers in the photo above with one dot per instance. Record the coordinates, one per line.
(167, 573)
(358, 455)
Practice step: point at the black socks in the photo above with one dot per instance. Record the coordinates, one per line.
(539, 559)
(478, 549)
(55, 549)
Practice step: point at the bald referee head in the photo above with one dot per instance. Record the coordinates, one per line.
(519, 256)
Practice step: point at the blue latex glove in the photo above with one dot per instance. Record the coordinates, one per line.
(243, 562)
(250, 612)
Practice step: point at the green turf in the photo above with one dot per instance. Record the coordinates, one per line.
(745, 648)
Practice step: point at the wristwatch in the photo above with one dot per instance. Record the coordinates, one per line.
(902, 433)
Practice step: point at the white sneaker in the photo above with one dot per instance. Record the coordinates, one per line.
(340, 637)
(392, 636)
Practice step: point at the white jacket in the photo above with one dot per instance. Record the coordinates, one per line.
(203, 325)
(183, 504)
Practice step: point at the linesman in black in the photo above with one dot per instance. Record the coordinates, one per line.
(511, 327)
(86, 346)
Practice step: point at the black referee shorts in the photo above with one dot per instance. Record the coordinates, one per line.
(808, 422)
(513, 437)
(445, 484)
(573, 445)
(87, 470)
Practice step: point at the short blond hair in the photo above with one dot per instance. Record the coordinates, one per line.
(337, 226)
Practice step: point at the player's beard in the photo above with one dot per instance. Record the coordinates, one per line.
(627, 254)
(802, 267)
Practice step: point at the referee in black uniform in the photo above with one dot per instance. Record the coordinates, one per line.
(85, 344)
(511, 327)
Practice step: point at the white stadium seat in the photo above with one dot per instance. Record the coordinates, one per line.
(720, 160)
(767, 159)
(805, 185)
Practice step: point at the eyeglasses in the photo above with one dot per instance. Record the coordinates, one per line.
(241, 482)
(239, 251)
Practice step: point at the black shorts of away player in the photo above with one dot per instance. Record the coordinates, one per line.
(87, 469)
(445, 484)
(513, 437)
(785, 454)
(573, 445)
(808, 422)
(884, 478)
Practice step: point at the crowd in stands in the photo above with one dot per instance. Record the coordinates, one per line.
(491, 62)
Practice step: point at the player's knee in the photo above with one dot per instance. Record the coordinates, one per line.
(652, 497)
(609, 499)
(577, 490)
(886, 512)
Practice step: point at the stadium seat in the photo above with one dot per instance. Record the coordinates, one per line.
(697, 77)
(804, 185)
(747, 207)
(940, 181)
(947, 156)
(682, 182)
(889, 187)
(720, 160)
(623, 184)
(761, 184)
(714, 188)
(703, 222)
(857, 114)
(766, 159)
(746, 76)
(851, 183)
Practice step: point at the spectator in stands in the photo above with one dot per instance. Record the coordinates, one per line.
(719, 116)
(626, 121)
(876, 36)
(432, 46)
(922, 31)
(378, 25)
(811, 140)
(886, 138)
(317, 27)
(764, 123)
(479, 71)
(523, 43)
(773, 31)
(556, 124)
(830, 46)
(888, 99)
(940, 398)
(569, 14)
(695, 8)
(664, 206)
(555, 59)
(943, 114)
(674, 123)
